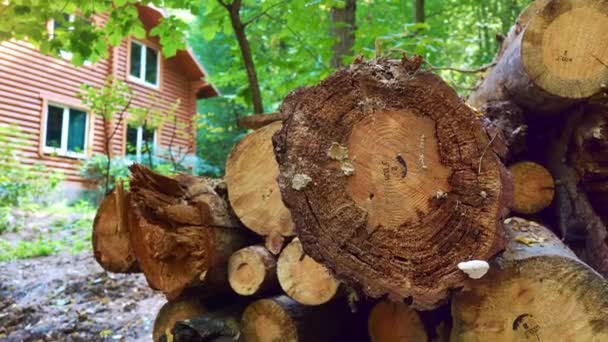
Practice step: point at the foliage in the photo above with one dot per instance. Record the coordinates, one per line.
(94, 169)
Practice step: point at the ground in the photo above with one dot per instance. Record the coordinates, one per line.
(71, 298)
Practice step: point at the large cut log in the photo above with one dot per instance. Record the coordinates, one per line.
(283, 319)
(533, 187)
(391, 180)
(186, 307)
(252, 270)
(111, 245)
(537, 290)
(251, 172)
(553, 57)
(395, 322)
(181, 231)
(302, 278)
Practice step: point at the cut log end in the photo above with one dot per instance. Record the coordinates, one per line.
(269, 320)
(533, 187)
(401, 181)
(251, 172)
(302, 278)
(171, 312)
(395, 322)
(564, 48)
(538, 290)
(252, 270)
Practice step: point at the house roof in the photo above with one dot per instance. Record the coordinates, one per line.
(150, 17)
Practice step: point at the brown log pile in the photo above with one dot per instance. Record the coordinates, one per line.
(375, 205)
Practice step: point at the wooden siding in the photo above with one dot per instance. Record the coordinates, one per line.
(29, 79)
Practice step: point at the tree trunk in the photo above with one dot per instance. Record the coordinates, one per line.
(234, 10)
(419, 16)
(343, 27)
(251, 172)
(181, 231)
(282, 319)
(391, 180)
(303, 279)
(252, 271)
(536, 290)
(111, 245)
(395, 322)
(188, 307)
(533, 187)
(553, 61)
(258, 120)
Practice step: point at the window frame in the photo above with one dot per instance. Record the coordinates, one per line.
(62, 151)
(67, 55)
(139, 144)
(142, 65)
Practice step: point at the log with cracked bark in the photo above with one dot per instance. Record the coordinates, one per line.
(391, 180)
(251, 172)
(554, 56)
(181, 231)
(536, 290)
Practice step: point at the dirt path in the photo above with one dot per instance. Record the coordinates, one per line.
(71, 298)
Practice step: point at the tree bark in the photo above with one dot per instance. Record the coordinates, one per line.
(536, 290)
(252, 270)
(553, 61)
(251, 172)
(419, 16)
(303, 279)
(343, 27)
(391, 180)
(111, 245)
(395, 322)
(234, 10)
(181, 231)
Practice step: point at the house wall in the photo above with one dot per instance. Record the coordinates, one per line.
(29, 79)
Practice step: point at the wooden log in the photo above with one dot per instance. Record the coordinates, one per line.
(251, 172)
(216, 326)
(111, 245)
(395, 322)
(392, 182)
(302, 278)
(184, 308)
(536, 290)
(181, 231)
(283, 319)
(252, 270)
(533, 187)
(555, 59)
(258, 120)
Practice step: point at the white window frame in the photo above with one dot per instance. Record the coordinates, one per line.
(67, 55)
(62, 150)
(142, 65)
(139, 144)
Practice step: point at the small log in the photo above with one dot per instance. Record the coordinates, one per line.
(111, 245)
(391, 180)
(533, 187)
(302, 278)
(258, 120)
(187, 307)
(395, 322)
(216, 326)
(283, 319)
(181, 231)
(536, 290)
(251, 172)
(252, 270)
(555, 59)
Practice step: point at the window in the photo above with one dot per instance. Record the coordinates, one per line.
(140, 140)
(60, 23)
(144, 64)
(65, 133)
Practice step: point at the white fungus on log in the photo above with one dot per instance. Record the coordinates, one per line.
(475, 269)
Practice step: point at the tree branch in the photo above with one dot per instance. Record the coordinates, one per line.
(264, 12)
(464, 71)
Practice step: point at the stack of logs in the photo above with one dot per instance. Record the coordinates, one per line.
(374, 205)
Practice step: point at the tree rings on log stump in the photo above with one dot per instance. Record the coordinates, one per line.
(391, 180)
(395, 322)
(252, 270)
(533, 187)
(537, 290)
(303, 279)
(251, 172)
(184, 308)
(111, 245)
(564, 48)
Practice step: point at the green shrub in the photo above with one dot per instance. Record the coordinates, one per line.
(94, 169)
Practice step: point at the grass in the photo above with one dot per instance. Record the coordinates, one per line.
(69, 231)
